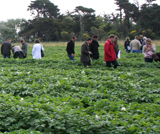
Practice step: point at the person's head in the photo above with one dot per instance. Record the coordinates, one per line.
(74, 38)
(111, 37)
(95, 37)
(148, 41)
(127, 39)
(9, 40)
(144, 38)
(115, 39)
(141, 37)
(37, 41)
(154, 56)
(22, 41)
(136, 37)
(89, 40)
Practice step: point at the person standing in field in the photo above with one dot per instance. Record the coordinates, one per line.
(141, 41)
(148, 50)
(6, 48)
(70, 48)
(144, 42)
(135, 45)
(109, 52)
(17, 52)
(24, 48)
(36, 51)
(93, 47)
(127, 45)
(85, 52)
(116, 46)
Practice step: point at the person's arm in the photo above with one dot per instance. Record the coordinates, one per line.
(91, 50)
(10, 47)
(139, 44)
(144, 51)
(42, 48)
(84, 49)
(153, 48)
(25, 49)
(33, 50)
(72, 48)
(107, 48)
(2, 49)
(131, 45)
(69, 48)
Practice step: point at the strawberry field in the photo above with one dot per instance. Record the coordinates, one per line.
(57, 96)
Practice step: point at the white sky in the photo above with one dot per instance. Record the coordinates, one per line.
(13, 9)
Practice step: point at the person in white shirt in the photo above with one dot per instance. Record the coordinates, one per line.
(36, 51)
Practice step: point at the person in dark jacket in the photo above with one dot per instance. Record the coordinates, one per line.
(5, 48)
(116, 46)
(93, 47)
(70, 48)
(85, 52)
(109, 52)
(156, 56)
(141, 41)
(17, 52)
(24, 48)
(127, 45)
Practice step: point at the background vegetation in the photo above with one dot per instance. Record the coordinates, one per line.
(49, 25)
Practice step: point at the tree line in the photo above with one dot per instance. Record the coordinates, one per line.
(49, 25)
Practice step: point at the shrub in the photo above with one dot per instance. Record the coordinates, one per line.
(65, 35)
(85, 36)
(149, 33)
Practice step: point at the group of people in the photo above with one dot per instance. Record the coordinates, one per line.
(21, 52)
(16, 50)
(142, 45)
(89, 49)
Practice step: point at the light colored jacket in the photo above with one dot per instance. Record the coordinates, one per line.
(36, 51)
(148, 51)
(135, 44)
(16, 49)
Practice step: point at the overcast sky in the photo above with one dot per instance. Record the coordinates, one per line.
(13, 9)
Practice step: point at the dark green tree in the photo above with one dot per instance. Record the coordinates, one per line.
(86, 18)
(149, 18)
(43, 9)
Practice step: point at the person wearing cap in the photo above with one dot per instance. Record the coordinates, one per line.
(109, 52)
(85, 52)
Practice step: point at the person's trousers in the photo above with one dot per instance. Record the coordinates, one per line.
(136, 51)
(18, 54)
(148, 59)
(115, 63)
(5, 55)
(70, 57)
(87, 63)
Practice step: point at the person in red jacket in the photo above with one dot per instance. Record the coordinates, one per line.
(109, 52)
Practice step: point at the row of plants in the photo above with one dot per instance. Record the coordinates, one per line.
(57, 96)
